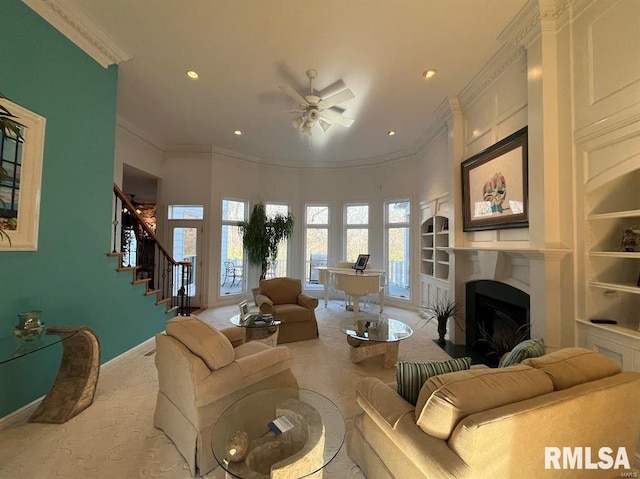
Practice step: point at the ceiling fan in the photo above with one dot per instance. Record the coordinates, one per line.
(315, 110)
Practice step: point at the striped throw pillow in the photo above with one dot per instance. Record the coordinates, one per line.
(411, 376)
(531, 348)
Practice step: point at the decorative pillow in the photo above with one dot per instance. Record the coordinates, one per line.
(531, 348)
(411, 376)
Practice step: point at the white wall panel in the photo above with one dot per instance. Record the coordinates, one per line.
(606, 37)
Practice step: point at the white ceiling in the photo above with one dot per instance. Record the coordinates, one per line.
(245, 49)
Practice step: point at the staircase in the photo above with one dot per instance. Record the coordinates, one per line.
(139, 250)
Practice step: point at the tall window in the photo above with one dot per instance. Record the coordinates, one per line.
(316, 240)
(280, 268)
(398, 233)
(232, 267)
(356, 231)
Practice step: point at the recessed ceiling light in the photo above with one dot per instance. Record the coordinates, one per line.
(237, 132)
(429, 74)
(391, 132)
(192, 74)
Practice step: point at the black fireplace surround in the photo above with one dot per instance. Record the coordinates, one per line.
(494, 309)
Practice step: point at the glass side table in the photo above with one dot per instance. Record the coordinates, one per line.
(255, 330)
(246, 447)
(375, 335)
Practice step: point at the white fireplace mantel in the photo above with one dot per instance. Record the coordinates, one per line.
(529, 253)
(536, 271)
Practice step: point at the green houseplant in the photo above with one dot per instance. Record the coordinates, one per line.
(261, 236)
(9, 126)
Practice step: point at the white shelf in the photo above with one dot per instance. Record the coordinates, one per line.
(616, 328)
(625, 287)
(614, 215)
(615, 254)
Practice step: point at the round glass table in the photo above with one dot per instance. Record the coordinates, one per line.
(375, 335)
(256, 329)
(251, 439)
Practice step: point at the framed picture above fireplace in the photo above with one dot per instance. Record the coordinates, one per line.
(495, 186)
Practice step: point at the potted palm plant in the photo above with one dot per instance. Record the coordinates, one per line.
(442, 310)
(261, 236)
(9, 126)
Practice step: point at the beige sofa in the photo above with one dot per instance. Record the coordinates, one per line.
(201, 372)
(496, 423)
(284, 299)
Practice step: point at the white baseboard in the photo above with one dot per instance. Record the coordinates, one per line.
(22, 415)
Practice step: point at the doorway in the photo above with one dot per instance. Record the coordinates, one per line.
(186, 245)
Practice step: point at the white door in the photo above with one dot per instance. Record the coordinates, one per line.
(186, 246)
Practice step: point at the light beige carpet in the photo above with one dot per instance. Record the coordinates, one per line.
(115, 437)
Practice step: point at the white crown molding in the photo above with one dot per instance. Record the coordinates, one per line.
(136, 132)
(442, 117)
(80, 30)
(361, 163)
(506, 55)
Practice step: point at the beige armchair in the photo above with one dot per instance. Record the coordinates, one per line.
(201, 372)
(284, 299)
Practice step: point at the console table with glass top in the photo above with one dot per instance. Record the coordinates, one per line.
(75, 384)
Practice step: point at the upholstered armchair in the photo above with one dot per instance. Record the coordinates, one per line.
(284, 299)
(201, 372)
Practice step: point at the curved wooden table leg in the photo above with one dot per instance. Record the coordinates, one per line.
(75, 385)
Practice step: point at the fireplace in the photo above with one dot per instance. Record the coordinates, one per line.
(497, 316)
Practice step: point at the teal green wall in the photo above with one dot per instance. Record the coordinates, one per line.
(70, 278)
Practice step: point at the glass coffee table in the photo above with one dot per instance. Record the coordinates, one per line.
(247, 446)
(375, 335)
(256, 330)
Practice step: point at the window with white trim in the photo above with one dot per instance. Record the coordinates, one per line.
(316, 241)
(398, 247)
(356, 231)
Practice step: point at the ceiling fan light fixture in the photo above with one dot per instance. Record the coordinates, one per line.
(325, 125)
(313, 114)
(237, 132)
(429, 73)
(192, 74)
(391, 132)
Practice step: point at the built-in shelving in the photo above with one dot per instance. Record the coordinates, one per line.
(434, 235)
(434, 257)
(612, 274)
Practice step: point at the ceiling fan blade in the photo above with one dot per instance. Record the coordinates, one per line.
(336, 118)
(294, 94)
(344, 95)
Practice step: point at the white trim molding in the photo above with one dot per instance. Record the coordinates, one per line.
(80, 30)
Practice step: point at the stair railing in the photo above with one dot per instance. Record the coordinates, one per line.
(140, 250)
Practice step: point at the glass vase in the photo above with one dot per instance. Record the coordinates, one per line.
(29, 326)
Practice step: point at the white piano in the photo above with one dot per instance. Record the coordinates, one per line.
(353, 283)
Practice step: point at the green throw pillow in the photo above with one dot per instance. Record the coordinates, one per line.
(531, 348)
(411, 376)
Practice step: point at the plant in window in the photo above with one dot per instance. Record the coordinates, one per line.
(261, 236)
(9, 126)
